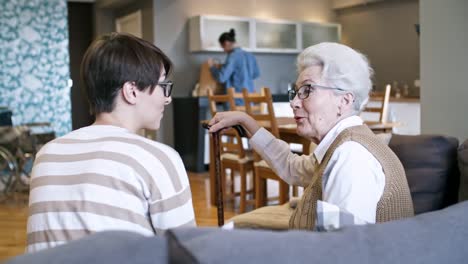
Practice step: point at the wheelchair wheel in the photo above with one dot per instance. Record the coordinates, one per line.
(8, 171)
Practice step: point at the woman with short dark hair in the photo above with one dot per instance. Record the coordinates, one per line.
(114, 59)
(105, 176)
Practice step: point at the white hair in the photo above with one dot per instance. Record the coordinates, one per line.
(342, 67)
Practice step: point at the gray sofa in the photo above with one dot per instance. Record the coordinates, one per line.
(436, 235)
(463, 165)
(431, 167)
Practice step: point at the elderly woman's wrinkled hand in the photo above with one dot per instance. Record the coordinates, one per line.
(224, 120)
(228, 119)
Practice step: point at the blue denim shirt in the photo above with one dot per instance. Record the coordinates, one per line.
(239, 71)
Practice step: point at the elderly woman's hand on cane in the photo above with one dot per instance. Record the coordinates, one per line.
(224, 120)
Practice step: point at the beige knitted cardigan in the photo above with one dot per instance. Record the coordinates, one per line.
(395, 202)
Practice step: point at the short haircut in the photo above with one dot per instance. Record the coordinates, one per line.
(342, 67)
(114, 59)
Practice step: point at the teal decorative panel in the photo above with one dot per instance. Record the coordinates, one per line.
(34, 62)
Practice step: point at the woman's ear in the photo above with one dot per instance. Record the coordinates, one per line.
(347, 100)
(129, 93)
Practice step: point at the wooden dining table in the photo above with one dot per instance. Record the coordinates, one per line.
(288, 125)
(287, 129)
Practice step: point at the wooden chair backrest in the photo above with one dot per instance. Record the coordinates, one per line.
(240, 107)
(383, 109)
(265, 116)
(230, 141)
(220, 99)
(232, 92)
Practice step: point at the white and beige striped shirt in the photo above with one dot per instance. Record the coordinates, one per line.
(101, 178)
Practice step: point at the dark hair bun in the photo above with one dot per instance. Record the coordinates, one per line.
(228, 36)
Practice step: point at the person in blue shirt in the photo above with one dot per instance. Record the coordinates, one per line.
(240, 69)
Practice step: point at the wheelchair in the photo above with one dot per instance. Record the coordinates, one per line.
(18, 148)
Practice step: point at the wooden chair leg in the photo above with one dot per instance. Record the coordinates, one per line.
(295, 191)
(260, 190)
(253, 183)
(283, 192)
(243, 188)
(233, 178)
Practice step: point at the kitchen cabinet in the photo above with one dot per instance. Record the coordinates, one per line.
(260, 35)
(314, 33)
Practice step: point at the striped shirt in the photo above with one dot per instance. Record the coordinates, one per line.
(101, 178)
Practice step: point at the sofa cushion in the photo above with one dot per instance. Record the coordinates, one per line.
(101, 248)
(436, 237)
(431, 168)
(463, 165)
(267, 217)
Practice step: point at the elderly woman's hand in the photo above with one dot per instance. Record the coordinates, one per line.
(228, 119)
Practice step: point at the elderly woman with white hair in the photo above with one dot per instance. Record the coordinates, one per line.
(352, 177)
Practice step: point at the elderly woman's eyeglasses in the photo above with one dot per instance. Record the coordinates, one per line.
(305, 90)
(167, 87)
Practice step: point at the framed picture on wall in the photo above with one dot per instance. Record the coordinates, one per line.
(130, 23)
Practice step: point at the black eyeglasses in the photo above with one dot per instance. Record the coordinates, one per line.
(167, 87)
(305, 90)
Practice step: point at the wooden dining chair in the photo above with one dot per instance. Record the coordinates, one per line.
(232, 92)
(241, 107)
(233, 156)
(382, 110)
(260, 107)
(223, 101)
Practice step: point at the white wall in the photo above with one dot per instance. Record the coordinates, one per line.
(444, 67)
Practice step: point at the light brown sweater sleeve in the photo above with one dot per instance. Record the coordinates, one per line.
(292, 168)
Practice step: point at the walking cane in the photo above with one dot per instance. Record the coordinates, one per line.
(218, 180)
